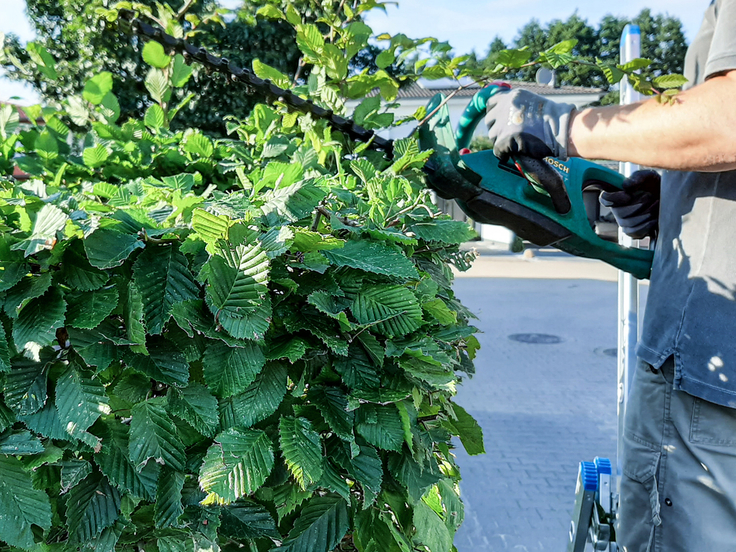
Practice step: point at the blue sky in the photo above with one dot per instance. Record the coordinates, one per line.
(466, 24)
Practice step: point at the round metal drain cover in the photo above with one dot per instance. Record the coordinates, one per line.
(544, 339)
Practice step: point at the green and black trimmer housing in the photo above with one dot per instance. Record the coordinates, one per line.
(541, 201)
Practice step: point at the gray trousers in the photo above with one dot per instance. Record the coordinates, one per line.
(678, 491)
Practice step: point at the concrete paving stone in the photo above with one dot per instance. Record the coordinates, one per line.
(543, 408)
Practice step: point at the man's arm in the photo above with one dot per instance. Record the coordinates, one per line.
(696, 133)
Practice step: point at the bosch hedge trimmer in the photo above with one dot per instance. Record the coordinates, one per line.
(541, 201)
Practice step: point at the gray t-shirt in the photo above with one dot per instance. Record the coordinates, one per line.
(691, 310)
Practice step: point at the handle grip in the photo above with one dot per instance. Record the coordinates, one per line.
(536, 171)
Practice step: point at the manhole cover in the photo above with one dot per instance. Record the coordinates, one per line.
(611, 352)
(544, 339)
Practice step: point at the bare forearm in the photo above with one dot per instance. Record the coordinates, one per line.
(696, 133)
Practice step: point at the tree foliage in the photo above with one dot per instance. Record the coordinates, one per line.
(215, 343)
(662, 43)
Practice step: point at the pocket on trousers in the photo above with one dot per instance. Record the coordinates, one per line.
(712, 424)
(640, 467)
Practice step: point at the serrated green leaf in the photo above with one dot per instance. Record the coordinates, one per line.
(270, 11)
(670, 81)
(237, 464)
(210, 227)
(230, 370)
(381, 426)
(153, 54)
(157, 85)
(21, 506)
(465, 427)
(37, 323)
(155, 117)
(154, 436)
(77, 272)
(46, 422)
(293, 202)
(302, 450)
(258, 402)
(333, 404)
(246, 520)
(164, 363)
(20, 443)
(29, 288)
(291, 349)
(92, 506)
(162, 277)
(87, 310)
(635, 64)
(307, 241)
(7, 418)
(415, 478)
(50, 220)
(198, 144)
(110, 108)
(446, 231)
(80, 401)
(195, 405)
(320, 527)
(115, 464)
(390, 310)
(357, 369)
(440, 311)
(431, 529)
(96, 156)
(97, 87)
(168, 506)
(375, 257)
(180, 71)
(46, 146)
(264, 71)
(107, 248)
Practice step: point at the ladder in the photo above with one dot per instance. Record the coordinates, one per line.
(595, 508)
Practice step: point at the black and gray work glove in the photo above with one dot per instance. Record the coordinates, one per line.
(522, 123)
(636, 207)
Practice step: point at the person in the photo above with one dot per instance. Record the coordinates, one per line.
(678, 490)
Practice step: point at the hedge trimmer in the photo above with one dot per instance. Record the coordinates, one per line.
(541, 201)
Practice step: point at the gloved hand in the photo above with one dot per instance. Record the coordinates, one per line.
(523, 123)
(636, 207)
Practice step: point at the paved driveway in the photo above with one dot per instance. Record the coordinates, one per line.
(543, 407)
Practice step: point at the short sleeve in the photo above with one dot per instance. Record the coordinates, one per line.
(722, 55)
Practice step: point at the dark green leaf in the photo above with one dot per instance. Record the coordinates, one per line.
(381, 426)
(230, 370)
(164, 363)
(87, 310)
(333, 404)
(20, 443)
(195, 405)
(302, 450)
(257, 402)
(21, 506)
(92, 506)
(320, 527)
(248, 520)
(25, 387)
(237, 464)
(109, 248)
(153, 435)
(375, 257)
(391, 310)
(23, 292)
(169, 507)
(80, 401)
(162, 277)
(465, 427)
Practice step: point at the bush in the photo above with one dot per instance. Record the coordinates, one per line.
(222, 343)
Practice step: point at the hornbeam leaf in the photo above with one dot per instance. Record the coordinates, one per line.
(153, 54)
(465, 427)
(168, 506)
(431, 529)
(210, 227)
(357, 369)
(248, 520)
(87, 310)
(445, 231)
(393, 310)
(237, 464)
(258, 402)
(164, 363)
(80, 401)
(7, 418)
(49, 221)
(46, 422)
(20, 443)
(302, 450)
(72, 472)
(21, 505)
(37, 323)
(293, 202)
(195, 405)
(114, 462)
(333, 404)
(155, 117)
(154, 435)
(97, 87)
(95, 156)
(320, 527)
(25, 291)
(92, 506)
(162, 277)
(230, 370)
(180, 71)
(375, 257)
(25, 387)
(108, 248)
(381, 426)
